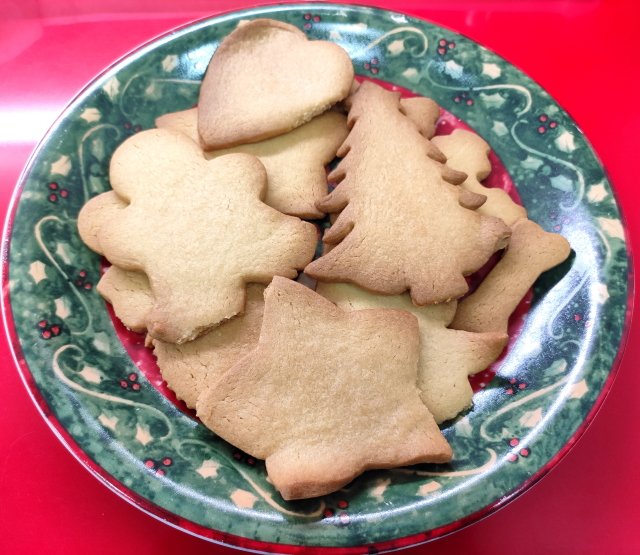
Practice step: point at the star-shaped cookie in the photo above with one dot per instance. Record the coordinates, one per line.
(326, 395)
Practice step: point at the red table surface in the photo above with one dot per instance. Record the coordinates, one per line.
(583, 52)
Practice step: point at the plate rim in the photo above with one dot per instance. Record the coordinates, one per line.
(228, 539)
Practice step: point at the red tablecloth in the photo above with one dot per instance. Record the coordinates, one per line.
(584, 52)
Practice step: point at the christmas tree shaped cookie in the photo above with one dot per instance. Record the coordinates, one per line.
(402, 224)
(423, 112)
(469, 153)
(326, 395)
(198, 229)
(447, 357)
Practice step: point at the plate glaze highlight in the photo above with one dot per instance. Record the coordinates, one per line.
(121, 427)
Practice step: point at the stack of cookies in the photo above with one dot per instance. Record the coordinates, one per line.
(205, 233)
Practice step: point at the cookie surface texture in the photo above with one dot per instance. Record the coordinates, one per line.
(185, 121)
(447, 357)
(295, 162)
(531, 251)
(241, 101)
(424, 112)
(188, 367)
(130, 295)
(402, 226)
(316, 368)
(198, 230)
(93, 215)
(469, 153)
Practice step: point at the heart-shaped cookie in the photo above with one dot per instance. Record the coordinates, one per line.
(266, 78)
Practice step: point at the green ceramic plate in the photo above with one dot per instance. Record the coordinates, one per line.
(121, 425)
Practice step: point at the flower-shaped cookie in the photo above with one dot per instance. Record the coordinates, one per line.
(295, 162)
(531, 251)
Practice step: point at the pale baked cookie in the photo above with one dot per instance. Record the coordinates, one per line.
(185, 121)
(531, 251)
(424, 112)
(198, 229)
(469, 153)
(129, 294)
(127, 291)
(326, 395)
(403, 225)
(187, 368)
(447, 357)
(295, 162)
(241, 101)
(94, 213)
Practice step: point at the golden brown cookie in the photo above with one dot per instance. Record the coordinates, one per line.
(93, 214)
(531, 251)
(198, 229)
(403, 225)
(187, 368)
(185, 121)
(127, 291)
(129, 294)
(469, 153)
(326, 395)
(447, 357)
(295, 162)
(424, 113)
(265, 79)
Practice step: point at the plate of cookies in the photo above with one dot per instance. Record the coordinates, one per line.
(317, 276)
